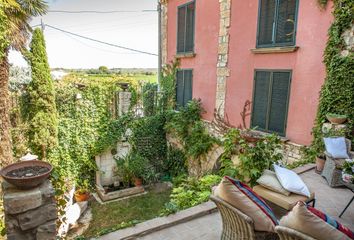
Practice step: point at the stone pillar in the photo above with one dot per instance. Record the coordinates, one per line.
(164, 10)
(30, 214)
(124, 102)
(223, 53)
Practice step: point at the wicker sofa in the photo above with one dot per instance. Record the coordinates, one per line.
(237, 225)
(291, 234)
(333, 168)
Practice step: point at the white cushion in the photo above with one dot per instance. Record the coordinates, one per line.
(336, 147)
(291, 181)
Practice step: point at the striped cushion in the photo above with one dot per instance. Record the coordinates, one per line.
(247, 201)
(332, 222)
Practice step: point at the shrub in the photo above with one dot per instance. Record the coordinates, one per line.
(254, 158)
(191, 192)
(42, 112)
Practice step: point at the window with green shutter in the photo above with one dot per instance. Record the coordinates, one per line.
(184, 85)
(185, 28)
(271, 100)
(277, 23)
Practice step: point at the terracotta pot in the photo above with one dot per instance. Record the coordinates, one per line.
(336, 120)
(320, 162)
(138, 182)
(250, 138)
(81, 197)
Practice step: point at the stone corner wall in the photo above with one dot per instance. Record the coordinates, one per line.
(30, 214)
(292, 152)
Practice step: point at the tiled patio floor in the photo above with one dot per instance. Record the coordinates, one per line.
(329, 200)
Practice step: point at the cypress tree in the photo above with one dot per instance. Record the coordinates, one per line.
(43, 118)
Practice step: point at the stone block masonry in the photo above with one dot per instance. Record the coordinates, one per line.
(30, 214)
(223, 52)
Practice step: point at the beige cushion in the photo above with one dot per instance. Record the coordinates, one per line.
(306, 222)
(269, 180)
(232, 195)
(286, 202)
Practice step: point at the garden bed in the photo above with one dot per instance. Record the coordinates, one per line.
(125, 213)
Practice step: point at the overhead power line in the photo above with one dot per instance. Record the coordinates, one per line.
(105, 43)
(101, 12)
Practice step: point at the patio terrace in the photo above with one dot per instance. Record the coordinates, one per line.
(208, 227)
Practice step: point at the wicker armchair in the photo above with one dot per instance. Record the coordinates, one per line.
(332, 170)
(237, 225)
(291, 234)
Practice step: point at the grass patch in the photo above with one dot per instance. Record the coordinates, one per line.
(113, 216)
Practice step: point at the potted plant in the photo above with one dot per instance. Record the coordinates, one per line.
(137, 165)
(336, 118)
(82, 193)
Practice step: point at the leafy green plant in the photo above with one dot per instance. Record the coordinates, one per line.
(136, 165)
(167, 100)
(149, 99)
(148, 139)
(186, 125)
(228, 167)
(190, 192)
(175, 163)
(254, 158)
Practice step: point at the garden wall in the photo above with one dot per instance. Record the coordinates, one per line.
(292, 153)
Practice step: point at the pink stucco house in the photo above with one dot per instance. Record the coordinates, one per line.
(267, 51)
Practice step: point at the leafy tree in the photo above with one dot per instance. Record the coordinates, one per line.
(103, 69)
(42, 112)
(14, 31)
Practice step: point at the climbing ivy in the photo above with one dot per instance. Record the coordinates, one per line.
(148, 140)
(87, 126)
(149, 98)
(187, 126)
(337, 93)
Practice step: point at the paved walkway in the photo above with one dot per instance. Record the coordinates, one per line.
(204, 228)
(329, 200)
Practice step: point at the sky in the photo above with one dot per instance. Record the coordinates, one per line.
(137, 30)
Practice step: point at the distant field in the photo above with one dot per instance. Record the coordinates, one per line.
(133, 78)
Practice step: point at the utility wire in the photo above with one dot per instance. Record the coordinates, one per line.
(95, 40)
(101, 12)
(100, 49)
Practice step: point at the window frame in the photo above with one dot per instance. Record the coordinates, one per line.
(271, 71)
(183, 70)
(185, 28)
(274, 44)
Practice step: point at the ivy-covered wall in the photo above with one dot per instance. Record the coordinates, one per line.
(337, 93)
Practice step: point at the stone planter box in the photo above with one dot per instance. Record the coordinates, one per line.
(118, 194)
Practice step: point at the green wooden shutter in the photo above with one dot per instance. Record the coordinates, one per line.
(181, 29)
(285, 32)
(188, 86)
(279, 102)
(179, 88)
(260, 99)
(189, 42)
(266, 22)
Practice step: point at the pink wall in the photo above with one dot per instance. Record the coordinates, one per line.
(306, 63)
(206, 49)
